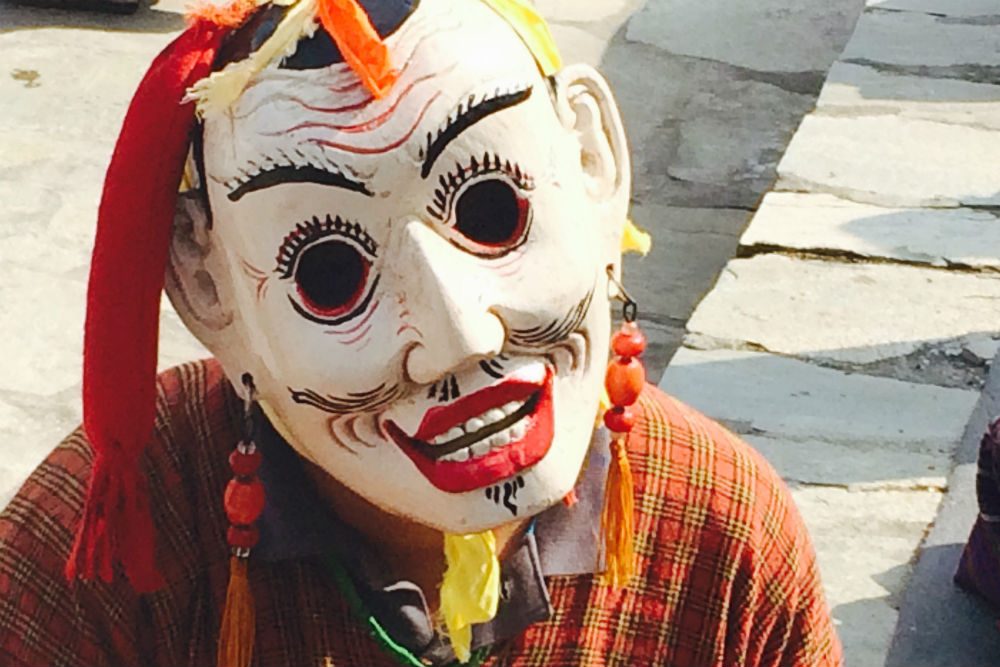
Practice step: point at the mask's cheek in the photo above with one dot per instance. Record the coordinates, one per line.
(558, 266)
(305, 370)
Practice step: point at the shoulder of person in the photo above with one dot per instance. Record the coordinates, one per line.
(706, 478)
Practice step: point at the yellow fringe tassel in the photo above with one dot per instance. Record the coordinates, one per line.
(616, 518)
(219, 91)
(470, 592)
(635, 239)
(236, 635)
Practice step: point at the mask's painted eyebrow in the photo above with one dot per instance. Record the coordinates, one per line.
(278, 174)
(469, 113)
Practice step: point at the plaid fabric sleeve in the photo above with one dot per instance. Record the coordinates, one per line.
(44, 620)
(766, 602)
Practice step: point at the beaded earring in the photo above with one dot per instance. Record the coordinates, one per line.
(623, 382)
(244, 502)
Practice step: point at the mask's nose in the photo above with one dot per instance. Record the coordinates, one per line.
(448, 292)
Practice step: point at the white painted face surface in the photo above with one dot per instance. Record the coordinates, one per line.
(418, 283)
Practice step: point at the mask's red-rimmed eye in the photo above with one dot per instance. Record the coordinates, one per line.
(330, 277)
(491, 213)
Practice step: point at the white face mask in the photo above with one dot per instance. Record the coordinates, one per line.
(418, 284)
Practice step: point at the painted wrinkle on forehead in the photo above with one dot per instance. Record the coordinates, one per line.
(355, 123)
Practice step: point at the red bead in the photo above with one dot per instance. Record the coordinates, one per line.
(619, 420)
(628, 341)
(244, 465)
(624, 380)
(244, 501)
(242, 537)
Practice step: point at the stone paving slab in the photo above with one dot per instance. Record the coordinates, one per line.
(864, 543)
(960, 8)
(853, 313)
(693, 28)
(854, 466)
(662, 279)
(821, 222)
(894, 161)
(824, 426)
(922, 40)
(859, 90)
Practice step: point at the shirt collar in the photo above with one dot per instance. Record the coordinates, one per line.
(562, 540)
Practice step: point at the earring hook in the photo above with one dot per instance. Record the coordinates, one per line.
(249, 423)
(630, 309)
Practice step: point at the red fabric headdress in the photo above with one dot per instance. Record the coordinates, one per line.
(123, 303)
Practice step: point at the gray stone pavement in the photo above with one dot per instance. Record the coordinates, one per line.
(850, 339)
(710, 106)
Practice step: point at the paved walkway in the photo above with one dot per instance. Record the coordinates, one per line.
(850, 339)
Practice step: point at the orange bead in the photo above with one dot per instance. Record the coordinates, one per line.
(628, 341)
(244, 501)
(624, 381)
(244, 465)
(619, 420)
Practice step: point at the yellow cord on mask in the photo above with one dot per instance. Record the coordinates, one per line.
(532, 30)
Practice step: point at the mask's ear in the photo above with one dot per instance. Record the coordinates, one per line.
(585, 105)
(193, 278)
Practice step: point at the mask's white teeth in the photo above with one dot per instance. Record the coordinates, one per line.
(459, 456)
(519, 430)
(512, 407)
(496, 441)
(481, 448)
(454, 433)
(491, 416)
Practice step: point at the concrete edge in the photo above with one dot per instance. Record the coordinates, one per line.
(939, 624)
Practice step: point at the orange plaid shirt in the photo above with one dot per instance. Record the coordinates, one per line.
(727, 574)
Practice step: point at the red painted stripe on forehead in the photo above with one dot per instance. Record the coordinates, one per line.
(367, 150)
(368, 125)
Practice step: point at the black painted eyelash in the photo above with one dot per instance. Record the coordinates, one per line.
(306, 233)
(449, 183)
(468, 113)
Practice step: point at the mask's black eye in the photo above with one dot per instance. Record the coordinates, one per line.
(330, 277)
(492, 214)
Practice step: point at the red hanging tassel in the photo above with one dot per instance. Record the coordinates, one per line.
(123, 303)
(624, 381)
(244, 502)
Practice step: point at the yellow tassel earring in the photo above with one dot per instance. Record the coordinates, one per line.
(623, 382)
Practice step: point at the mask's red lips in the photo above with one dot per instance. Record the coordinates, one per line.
(498, 464)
